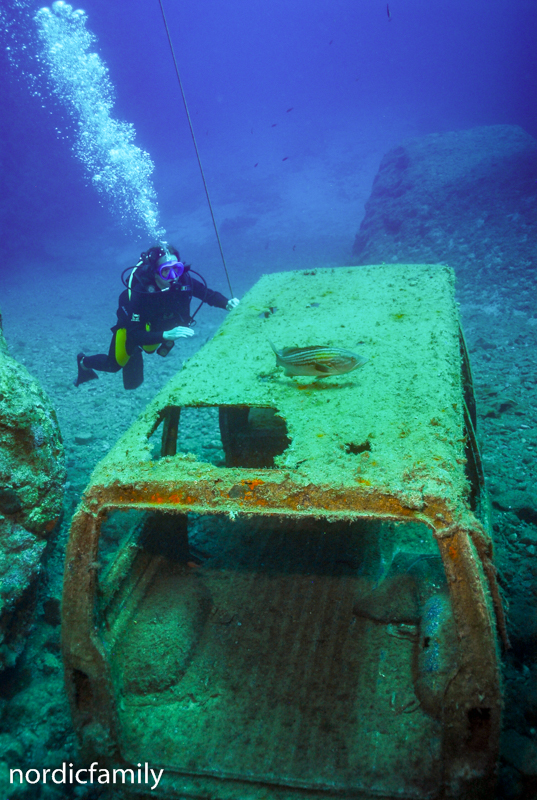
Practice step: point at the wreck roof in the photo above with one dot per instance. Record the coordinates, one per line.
(394, 427)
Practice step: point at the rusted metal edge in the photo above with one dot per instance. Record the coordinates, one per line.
(472, 703)
(84, 650)
(255, 496)
(87, 675)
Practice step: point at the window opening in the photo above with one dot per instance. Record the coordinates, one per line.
(252, 437)
(228, 436)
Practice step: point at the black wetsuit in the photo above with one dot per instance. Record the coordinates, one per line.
(145, 312)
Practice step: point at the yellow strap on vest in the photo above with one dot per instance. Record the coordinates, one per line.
(149, 348)
(122, 356)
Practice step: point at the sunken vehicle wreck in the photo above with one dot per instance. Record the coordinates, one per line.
(278, 588)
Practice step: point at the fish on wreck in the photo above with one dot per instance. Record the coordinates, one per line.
(317, 361)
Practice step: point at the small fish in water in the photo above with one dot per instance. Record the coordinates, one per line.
(317, 361)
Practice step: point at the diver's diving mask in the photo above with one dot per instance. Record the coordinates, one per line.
(171, 270)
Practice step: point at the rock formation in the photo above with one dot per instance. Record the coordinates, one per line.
(466, 198)
(32, 477)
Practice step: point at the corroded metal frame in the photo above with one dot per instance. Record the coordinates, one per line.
(128, 478)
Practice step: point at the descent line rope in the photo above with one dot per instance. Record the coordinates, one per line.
(195, 144)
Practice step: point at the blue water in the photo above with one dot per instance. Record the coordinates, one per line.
(293, 103)
(293, 106)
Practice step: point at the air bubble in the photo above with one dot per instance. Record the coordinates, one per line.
(117, 168)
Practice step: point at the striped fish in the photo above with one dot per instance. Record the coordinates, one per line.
(317, 361)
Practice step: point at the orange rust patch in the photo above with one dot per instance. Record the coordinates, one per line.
(286, 497)
(256, 501)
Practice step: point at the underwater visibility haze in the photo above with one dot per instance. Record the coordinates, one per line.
(292, 106)
(302, 114)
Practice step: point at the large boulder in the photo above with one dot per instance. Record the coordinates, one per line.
(32, 478)
(468, 198)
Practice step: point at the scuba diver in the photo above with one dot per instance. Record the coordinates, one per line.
(154, 311)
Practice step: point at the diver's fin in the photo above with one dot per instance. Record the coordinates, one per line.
(84, 373)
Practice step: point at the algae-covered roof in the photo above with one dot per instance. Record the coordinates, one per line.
(393, 426)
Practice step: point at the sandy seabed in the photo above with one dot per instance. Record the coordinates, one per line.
(68, 309)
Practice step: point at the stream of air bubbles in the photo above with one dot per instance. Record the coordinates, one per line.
(118, 169)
